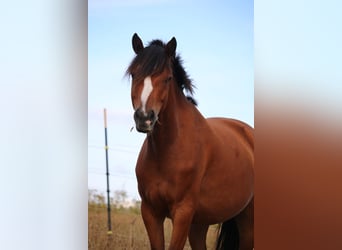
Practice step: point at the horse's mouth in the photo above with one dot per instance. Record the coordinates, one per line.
(144, 121)
(144, 126)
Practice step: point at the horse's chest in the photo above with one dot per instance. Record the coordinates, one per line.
(156, 192)
(154, 186)
(163, 185)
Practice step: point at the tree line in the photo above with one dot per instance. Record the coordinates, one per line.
(119, 200)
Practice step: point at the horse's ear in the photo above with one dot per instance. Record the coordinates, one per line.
(137, 44)
(171, 47)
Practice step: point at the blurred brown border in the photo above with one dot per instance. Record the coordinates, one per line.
(298, 188)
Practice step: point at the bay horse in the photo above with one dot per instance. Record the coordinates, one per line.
(193, 170)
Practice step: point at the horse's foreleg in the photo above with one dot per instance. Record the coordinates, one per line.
(198, 236)
(181, 221)
(154, 224)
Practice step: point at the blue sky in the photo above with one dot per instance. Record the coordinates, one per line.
(215, 40)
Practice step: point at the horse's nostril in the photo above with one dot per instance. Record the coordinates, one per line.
(136, 114)
(151, 115)
(140, 115)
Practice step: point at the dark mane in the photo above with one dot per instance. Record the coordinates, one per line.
(153, 59)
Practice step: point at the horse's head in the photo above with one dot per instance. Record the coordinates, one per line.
(151, 71)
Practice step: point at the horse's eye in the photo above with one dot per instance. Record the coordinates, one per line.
(168, 79)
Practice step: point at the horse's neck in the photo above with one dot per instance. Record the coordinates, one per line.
(175, 120)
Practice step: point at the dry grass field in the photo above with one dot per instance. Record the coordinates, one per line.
(128, 231)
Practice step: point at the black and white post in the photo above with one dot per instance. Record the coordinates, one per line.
(107, 173)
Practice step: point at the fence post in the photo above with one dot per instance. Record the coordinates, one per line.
(107, 173)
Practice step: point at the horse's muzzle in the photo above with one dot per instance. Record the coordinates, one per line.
(144, 122)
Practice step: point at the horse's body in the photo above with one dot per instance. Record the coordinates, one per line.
(193, 170)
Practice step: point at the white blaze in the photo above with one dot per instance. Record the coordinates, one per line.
(146, 92)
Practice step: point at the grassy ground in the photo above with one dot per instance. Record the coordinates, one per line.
(128, 231)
